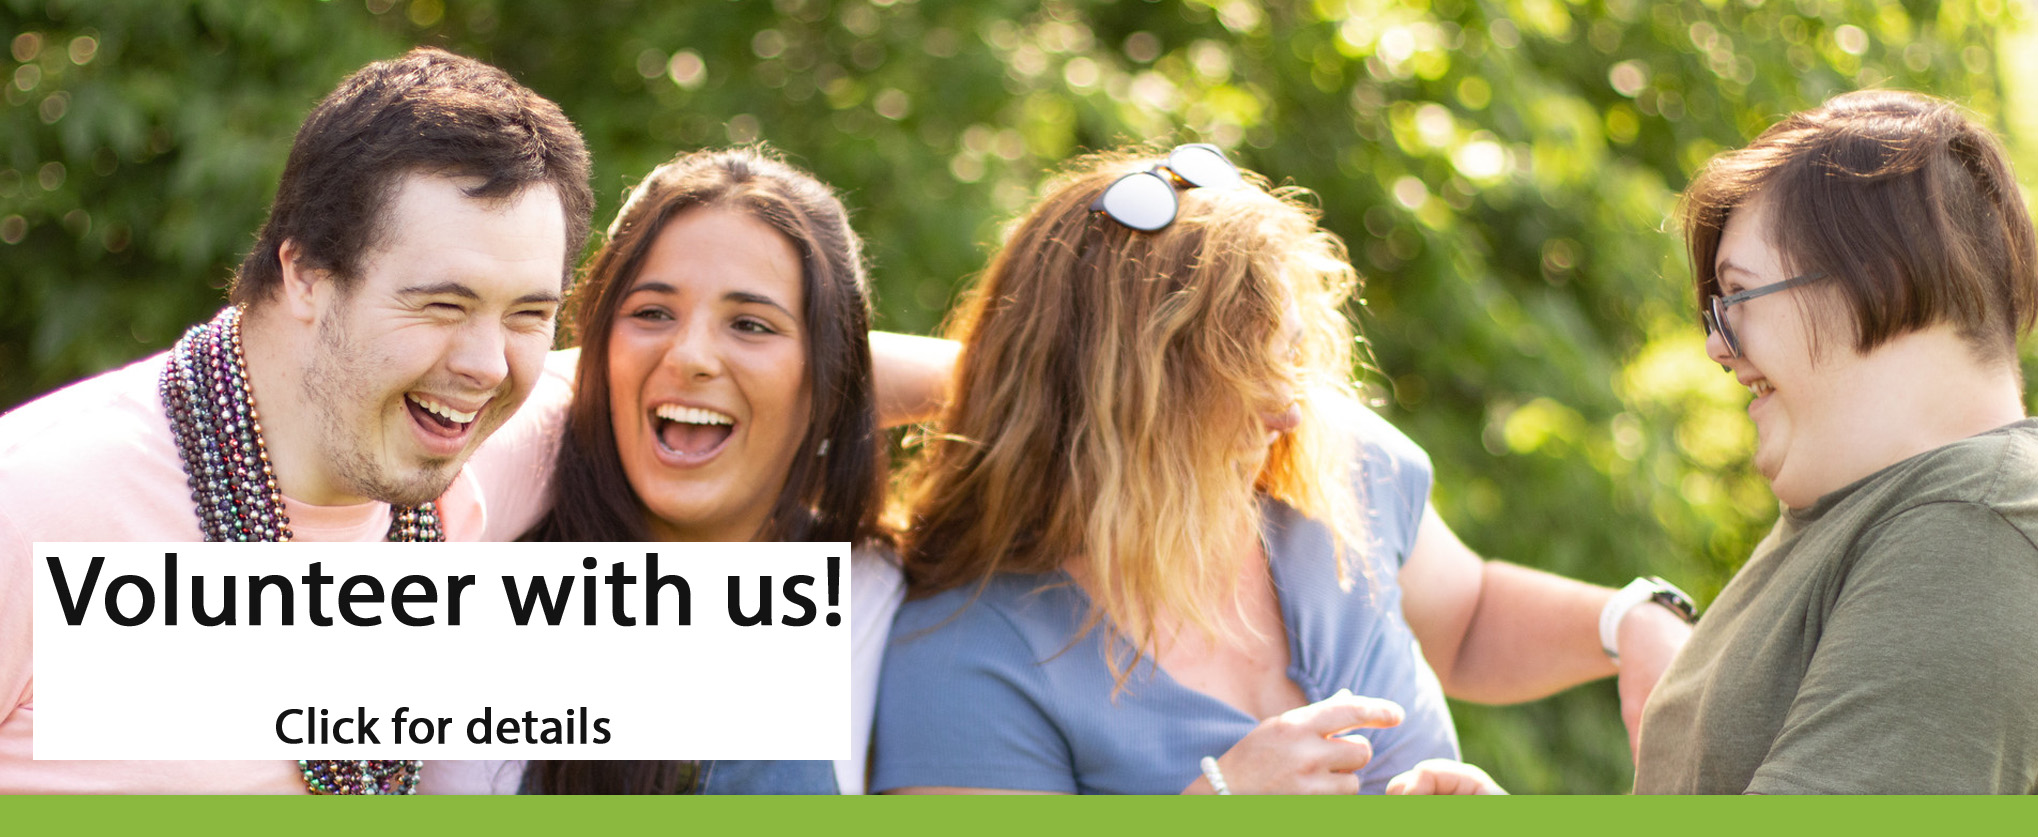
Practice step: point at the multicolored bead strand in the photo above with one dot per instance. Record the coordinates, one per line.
(362, 777)
(218, 432)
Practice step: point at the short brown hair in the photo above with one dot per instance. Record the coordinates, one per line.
(1908, 204)
(429, 111)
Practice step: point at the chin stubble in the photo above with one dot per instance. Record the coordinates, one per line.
(337, 385)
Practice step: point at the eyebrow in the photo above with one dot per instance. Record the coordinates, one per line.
(653, 287)
(1728, 264)
(464, 292)
(759, 299)
(741, 297)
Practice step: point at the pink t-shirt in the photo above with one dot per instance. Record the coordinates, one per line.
(96, 462)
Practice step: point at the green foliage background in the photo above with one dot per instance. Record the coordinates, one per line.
(1501, 169)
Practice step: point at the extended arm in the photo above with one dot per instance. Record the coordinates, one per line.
(1500, 633)
(911, 375)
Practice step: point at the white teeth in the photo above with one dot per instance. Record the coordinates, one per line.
(692, 415)
(1760, 388)
(441, 410)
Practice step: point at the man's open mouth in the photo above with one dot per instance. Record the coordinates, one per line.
(438, 416)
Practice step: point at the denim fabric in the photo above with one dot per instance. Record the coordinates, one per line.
(743, 778)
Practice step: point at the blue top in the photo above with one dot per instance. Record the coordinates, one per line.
(732, 777)
(987, 697)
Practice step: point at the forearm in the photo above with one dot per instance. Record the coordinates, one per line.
(911, 375)
(1531, 634)
(1499, 633)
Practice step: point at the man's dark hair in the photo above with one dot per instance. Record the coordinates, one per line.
(1908, 205)
(428, 112)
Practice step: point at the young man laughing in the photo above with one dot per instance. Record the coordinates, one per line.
(396, 309)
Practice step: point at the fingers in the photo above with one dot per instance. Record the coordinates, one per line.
(1413, 782)
(1337, 784)
(1443, 777)
(1302, 751)
(1347, 753)
(1345, 711)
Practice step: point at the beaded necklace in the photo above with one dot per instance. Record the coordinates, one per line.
(233, 487)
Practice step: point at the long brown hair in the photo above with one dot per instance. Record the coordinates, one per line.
(832, 497)
(835, 497)
(609, 777)
(1110, 379)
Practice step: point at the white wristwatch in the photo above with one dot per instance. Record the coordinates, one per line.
(1639, 591)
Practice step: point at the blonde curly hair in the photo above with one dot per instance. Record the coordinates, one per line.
(1108, 400)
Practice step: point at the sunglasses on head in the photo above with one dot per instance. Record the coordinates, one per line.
(1146, 200)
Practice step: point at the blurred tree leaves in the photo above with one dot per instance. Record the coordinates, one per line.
(1502, 171)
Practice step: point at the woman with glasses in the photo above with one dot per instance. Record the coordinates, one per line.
(1155, 546)
(1865, 269)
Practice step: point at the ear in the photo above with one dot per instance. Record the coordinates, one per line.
(304, 289)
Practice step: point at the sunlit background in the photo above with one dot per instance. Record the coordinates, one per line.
(1503, 173)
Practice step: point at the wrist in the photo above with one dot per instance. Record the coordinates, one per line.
(1638, 594)
(1214, 774)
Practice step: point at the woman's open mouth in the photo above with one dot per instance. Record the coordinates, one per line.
(691, 434)
(1760, 389)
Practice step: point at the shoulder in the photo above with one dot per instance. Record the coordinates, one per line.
(1381, 449)
(1999, 467)
(1942, 577)
(1014, 621)
(877, 587)
(1915, 648)
(1964, 542)
(1391, 477)
(1009, 603)
(1378, 437)
(1985, 486)
(96, 457)
(876, 575)
(93, 418)
(970, 698)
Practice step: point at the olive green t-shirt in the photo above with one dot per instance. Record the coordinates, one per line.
(1883, 640)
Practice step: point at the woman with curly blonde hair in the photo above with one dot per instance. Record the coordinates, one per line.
(1154, 526)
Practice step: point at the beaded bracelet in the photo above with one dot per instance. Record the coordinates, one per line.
(1215, 776)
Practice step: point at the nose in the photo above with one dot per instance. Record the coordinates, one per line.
(692, 355)
(1716, 348)
(1287, 419)
(480, 355)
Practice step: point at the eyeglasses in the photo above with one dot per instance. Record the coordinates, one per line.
(1146, 201)
(1715, 314)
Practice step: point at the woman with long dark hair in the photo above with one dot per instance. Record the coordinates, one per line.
(723, 392)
